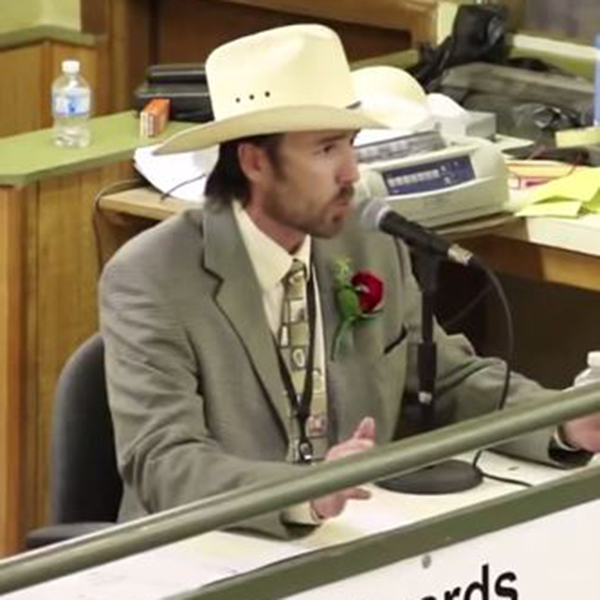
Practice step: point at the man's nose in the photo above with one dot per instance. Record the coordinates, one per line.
(349, 173)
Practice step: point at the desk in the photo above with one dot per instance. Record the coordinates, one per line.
(542, 248)
(393, 547)
(48, 272)
(525, 248)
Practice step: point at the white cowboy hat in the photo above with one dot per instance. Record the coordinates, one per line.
(293, 78)
(393, 97)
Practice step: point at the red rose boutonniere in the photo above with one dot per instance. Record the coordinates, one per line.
(359, 297)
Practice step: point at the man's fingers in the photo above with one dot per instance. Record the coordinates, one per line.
(334, 504)
(365, 430)
(357, 493)
(349, 447)
(362, 439)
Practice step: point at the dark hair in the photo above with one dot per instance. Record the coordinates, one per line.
(227, 181)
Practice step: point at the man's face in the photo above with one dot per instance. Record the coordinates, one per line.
(309, 190)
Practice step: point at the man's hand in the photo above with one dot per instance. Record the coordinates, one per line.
(583, 433)
(362, 439)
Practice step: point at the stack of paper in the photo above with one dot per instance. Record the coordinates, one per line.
(572, 194)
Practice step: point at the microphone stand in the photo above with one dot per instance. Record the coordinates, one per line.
(451, 475)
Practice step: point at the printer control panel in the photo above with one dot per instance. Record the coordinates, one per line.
(428, 176)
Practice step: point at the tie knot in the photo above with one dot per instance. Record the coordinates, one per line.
(297, 273)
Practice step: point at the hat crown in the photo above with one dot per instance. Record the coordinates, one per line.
(298, 65)
(283, 80)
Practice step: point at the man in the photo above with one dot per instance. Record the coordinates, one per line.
(203, 395)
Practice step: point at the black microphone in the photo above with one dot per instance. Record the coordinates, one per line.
(376, 214)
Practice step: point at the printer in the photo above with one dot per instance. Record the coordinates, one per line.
(427, 171)
(431, 179)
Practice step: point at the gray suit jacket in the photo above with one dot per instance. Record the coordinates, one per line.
(195, 392)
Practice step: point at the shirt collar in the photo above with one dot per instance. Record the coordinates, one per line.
(271, 262)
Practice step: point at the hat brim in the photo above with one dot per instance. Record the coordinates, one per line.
(267, 121)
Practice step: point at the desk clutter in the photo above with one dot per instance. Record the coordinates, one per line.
(445, 161)
(554, 189)
(183, 85)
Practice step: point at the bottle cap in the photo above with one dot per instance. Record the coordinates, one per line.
(593, 359)
(70, 67)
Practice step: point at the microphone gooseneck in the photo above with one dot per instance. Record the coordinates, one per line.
(376, 214)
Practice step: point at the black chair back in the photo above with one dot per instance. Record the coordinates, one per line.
(85, 484)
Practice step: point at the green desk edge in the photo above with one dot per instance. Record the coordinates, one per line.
(30, 157)
(42, 33)
(322, 567)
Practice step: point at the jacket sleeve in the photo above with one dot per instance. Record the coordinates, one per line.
(468, 385)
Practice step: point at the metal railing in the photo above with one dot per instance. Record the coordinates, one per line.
(232, 507)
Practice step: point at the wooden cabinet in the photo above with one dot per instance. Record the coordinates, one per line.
(48, 274)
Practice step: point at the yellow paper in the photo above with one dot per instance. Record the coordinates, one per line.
(540, 169)
(594, 204)
(581, 185)
(554, 208)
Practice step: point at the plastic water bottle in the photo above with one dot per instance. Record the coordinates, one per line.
(592, 373)
(71, 107)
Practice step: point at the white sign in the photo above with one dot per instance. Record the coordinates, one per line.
(555, 557)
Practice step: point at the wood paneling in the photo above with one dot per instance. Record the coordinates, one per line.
(143, 32)
(95, 16)
(48, 275)
(414, 16)
(22, 97)
(12, 382)
(132, 40)
(183, 34)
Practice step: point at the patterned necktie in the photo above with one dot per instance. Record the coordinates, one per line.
(295, 346)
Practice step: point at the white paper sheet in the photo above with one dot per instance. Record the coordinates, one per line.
(181, 175)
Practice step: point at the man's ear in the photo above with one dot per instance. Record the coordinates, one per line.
(254, 162)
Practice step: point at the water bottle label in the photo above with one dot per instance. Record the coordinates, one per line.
(72, 104)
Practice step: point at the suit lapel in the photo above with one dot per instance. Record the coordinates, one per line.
(345, 374)
(240, 299)
(324, 268)
(324, 261)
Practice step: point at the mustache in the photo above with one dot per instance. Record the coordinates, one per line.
(346, 193)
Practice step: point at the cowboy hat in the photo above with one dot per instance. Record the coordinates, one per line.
(293, 78)
(393, 97)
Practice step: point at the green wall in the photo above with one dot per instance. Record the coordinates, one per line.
(23, 14)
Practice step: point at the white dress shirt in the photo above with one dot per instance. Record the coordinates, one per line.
(271, 264)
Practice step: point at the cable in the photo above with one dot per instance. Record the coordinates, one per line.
(165, 195)
(117, 186)
(463, 312)
(510, 341)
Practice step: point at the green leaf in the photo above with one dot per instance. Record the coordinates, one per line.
(348, 303)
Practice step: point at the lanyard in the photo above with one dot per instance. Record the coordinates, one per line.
(300, 403)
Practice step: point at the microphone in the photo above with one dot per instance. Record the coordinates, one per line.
(376, 214)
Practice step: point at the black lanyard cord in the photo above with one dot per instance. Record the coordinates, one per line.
(301, 403)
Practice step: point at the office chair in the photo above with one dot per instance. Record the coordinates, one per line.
(85, 487)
